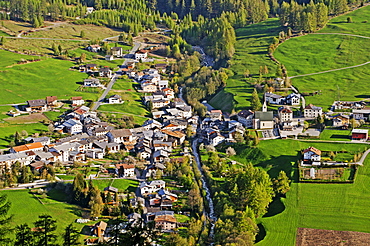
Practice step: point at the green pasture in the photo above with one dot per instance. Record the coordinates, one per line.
(321, 206)
(120, 184)
(133, 104)
(26, 208)
(36, 80)
(6, 130)
(250, 53)
(315, 53)
(335, 135)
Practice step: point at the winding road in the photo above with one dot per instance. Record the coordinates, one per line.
(337, 69)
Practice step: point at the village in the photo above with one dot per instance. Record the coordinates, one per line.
(164, 139)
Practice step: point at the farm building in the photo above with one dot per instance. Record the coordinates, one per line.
(359, 134)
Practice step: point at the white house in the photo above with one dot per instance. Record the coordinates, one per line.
(162, 84)
(77, 101)
(120, 136)
(361, 114)
(73, 126)
(92, 83)
(151, 186)
(94, 48)
(246, 118)
(312, 154)
(285, 114)
(125, 170)
(117, 51)
(115, 99)
(311, 111)
(273, 98)
(263, 120)
(141, 54)
(293, 99)
(105, 72)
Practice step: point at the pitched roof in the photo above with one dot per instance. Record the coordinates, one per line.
(312, 149)
(264, 116)
(125, 166)
(285, 110)
(121, 133)
(176, 134)
(311, 106)
(27, 147)
(36, 103)
(245, 113)
(76, 98)
(51, 99)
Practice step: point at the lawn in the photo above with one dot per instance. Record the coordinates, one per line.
(314, 53)
(51, 77)
(132, 105)
(320, 206)
(121, 184)
(250, 53)
(335, 135)
(63, 213)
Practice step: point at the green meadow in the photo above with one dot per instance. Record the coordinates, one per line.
(320, 206)
(250, 53)
(315, 53)
(132, 105)
(48, 77)
(62, 212)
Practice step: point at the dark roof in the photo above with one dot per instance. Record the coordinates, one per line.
(245, 113)
(116, 48)
(111, 189)
(263, 116)
(104, 69)
(36, 103)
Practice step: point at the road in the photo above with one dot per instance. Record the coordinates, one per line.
(114, 78)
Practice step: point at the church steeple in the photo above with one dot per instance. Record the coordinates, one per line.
(264, 106)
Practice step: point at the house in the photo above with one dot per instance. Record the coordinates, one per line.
(340, 120)
(94, 48)
(120, 136)
(23, 158)
(36, 105)
(169, 93)
(99, 229)
(177, 135)
(151, 124)
(117, 51)
(125, 170)
(43, 140)
(215, 114)
(115, 99)
(162, 84)
(105, 72)
(107, 147)
(312, 155)
(77, 101)
(311, 111)
(165, 222)
(51, 101)
(293, 99)
(216, 138)
(273, 98)
(141, 54)
(263, 120)
(109, 58)
(148, 87)
(246, 118)
(151, 186)
(361, 114)
(285, 114)
(73, 126)
(90, 68)
(160, 156)
(92, 83)
(27, 147)
(360, 135)
(160, 103)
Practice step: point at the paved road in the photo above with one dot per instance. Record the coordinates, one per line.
(114, 78)
(338, 69)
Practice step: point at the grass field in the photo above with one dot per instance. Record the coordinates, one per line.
(121, 184)
(335, 135)
(51, 77)
(321, 206)
(62, 212)
(133, 104)
(311, 53)
(250, 53)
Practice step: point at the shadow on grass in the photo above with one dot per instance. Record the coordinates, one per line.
(275, 207)
(261, 233)
(340, 136)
